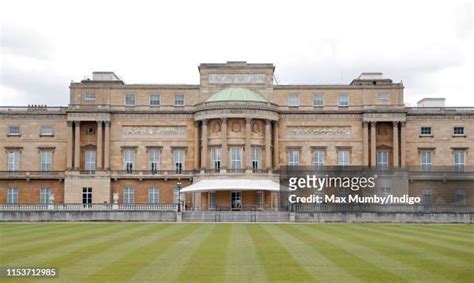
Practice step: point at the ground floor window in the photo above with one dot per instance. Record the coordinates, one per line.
(44, 195)
(213, 201)
(236, 200)
(128, 195)
(260, 199)
(426, 197)
(460, 197)
(153, 195)
(12, 195)
(87, 196)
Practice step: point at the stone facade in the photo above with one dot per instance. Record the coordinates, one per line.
(108, 123)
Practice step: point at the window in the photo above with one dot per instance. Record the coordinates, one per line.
(128, 195)
(426, 157)
(46, 160)
(179, 100)
(154, 160)
(13, 160)
(425, 131)
(460, 197)
(383, 97)
(89, 157)
(90, 130)
(426, 197)
(318, 100)
(155, 100)
(130, 99)
(260, 199)
(458, 131)
(87, 197)
(176, 196)
(178, 155)
(12, 195)
(13, 130)
(216, 158)
(153, 195)
(44, 195)
(293, 157)
(89, 97)
(236, 157)
(382, 159)
(343, 100)
(256, 157)
(129, 159)
(293, 100)
(343, 157)
(459, 160)
(318, 159)
(212, 200)
(46, 131)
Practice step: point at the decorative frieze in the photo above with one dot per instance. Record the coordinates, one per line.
(154, 131)
(318, 131)
(237, 78)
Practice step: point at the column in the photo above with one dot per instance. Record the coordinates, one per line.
(268, 155)
(402, 144)
(77, 144)
(70, 144)
(204, 145)
(248, 145)
(365, 145)
(275, 145)
(196, 145)
(373, 144)
(224, 149)
(107, 146)
(395, 144)
(99, 145)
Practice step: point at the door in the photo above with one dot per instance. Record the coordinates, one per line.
(87, 197)
(236, 200)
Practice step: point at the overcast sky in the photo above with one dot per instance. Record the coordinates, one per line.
(426, 44)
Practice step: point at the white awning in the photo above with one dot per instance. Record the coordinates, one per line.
(232, 185)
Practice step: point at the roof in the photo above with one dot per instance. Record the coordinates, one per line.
(236, 94)
(232, 184)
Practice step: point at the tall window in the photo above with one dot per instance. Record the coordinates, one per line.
(46, 160)
(318, 100)
(154, 160)
(426, 158)
(426, 197)
(90, 156)
(176, 197)
(460, 197)
(178, 154)
(293, 157)
(128, 195)
(129, 99)
(12, 195)
(46, 131)
(343, 100)
(13, 160)
(382, 159)
(256, 157)
(293, 100)
(155, 100)
(13, 130)
(87, 196)
(459, 160)
(129, 159)
(318, 159)
(153, 195)
(236, 157)
(212, 200)
(44, 195)
(179, 99)
(216, 158)
(343, 157)
(260, 199)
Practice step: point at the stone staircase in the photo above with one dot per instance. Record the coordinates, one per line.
(235, 216)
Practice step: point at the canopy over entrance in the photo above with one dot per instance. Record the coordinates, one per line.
(232, 185)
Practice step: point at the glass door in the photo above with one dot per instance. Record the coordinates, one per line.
(236, 200)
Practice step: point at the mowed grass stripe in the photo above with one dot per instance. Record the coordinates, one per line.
(168, 265)
(301, 247)
(462, 230)
(417, 255)
(127, 265)
(12, 230)
(208, 262)
(241, 257)
(278, 263)
(36, 234)
(350, 257)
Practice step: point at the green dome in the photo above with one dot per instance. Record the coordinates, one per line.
(236, 94)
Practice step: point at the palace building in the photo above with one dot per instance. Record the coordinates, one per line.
(221, 143)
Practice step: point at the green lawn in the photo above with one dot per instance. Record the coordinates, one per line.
(101, 252)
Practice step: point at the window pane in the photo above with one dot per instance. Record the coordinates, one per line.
(179, 100)
(13, 160)
(90, 157)
(318, 100)
(46, 160)
(155, 100)
(343, 100)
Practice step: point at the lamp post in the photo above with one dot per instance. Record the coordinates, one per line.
(179, 196)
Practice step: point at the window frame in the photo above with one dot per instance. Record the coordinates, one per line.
(14, 133)
(384, 99)
(236, 157)
(154, 195)
(459, 134)
(154, 156)
(128, 195)
(45, 164)
(382, 159)
(216, 157)
(343, 161)
(90, 158)
(293, 157)
(128, 158)
(318, 95)
(89, 96)
(291, 101)
(318, 158)
(12, 195)
(46, 134)
(176, 95)
(13, 161)
(178, 160)
(44, 199)
(426, 163)
(339, 97)
(126, 98)
(430, 134)
(151, 100)
(256, 156)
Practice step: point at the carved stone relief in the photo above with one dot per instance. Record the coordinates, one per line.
(155, 131)
(318, 131)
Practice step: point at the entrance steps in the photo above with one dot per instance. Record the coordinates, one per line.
(235, 216)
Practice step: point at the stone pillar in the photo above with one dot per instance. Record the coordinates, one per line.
(248, 143)
(107, 146)
(99, 145)
(402, 144)
(373, 144)
(365, 144)
(70, 144)
(395, 144)
(224, 149)
(77, 145)
(204, 138)
(275, 145)
(268, 138)
(196, 145)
